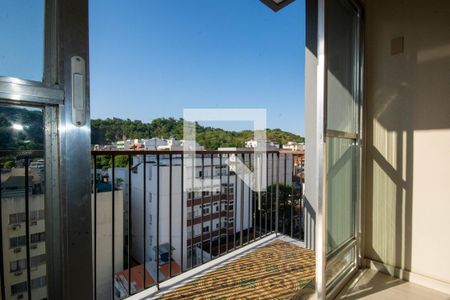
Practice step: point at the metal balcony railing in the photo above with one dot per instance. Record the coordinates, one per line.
(157, 214)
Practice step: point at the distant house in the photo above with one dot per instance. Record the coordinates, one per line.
(267, 144)
(294, 146)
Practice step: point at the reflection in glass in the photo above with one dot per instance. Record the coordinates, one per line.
(341, 191)
(21, 128)
(22, 32)
(22, 202)
(337, 265)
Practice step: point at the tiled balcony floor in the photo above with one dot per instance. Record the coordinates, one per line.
(276, 270)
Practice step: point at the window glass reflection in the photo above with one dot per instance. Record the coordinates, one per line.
(22, 205)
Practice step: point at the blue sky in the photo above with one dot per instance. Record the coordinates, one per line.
(152, 58)
(22, 39)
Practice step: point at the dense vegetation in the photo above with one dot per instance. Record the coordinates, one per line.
(111, 130)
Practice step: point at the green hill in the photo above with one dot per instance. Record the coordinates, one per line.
(111, 130)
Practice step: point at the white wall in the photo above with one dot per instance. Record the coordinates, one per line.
(407, 200)
(104, 240)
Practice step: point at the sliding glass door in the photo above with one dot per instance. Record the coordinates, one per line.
(343, 136)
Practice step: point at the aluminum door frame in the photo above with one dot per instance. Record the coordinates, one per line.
(67, 153)
(315, 100)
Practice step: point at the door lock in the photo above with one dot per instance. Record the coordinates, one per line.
(78, 72)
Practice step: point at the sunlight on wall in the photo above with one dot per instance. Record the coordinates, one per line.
(433, 54)
(386, 143)
(383, 215)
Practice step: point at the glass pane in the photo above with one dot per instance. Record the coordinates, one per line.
(336, 266)
(341, 191)
(342, 106)
(22, 32)
(22, 174)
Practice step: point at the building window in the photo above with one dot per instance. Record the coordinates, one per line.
(38, 282)
(37, 260)
(205, 210)
(17, 241)
(18, 265)
(217, 225)
(17, 218)
(19, 288)
(37, 215)
(38, 237)
(205, 229)
(229, 206)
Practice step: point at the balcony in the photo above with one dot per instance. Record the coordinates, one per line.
(176, 218)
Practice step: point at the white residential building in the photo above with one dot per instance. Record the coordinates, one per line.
(103, 241)
(225, 200)
(268, 144)
(13, 233)
(294, 146)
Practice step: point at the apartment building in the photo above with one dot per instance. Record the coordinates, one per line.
(191, 212)
(16, 190)
(268, 144)
(102, 205)
(294, 146)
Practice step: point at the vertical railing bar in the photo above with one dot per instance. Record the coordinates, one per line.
(242, 207)
(144, 165)
(201, 207)
(130, 163)
(113, 215)
(277, 194)
(250, 197)
(95, 226)
(27, 229)
(235, 205)
(2, 268)
(271, 195)
(228, 200)
(284, 196)
(220, 203)
(292, 197)
(254, 201)
(192, 210)
(170, 215)
(157, 217)
(267, 193)
(182, 213)
(212, 204)
(259, 195)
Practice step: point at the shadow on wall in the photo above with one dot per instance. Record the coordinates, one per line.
(407, 115)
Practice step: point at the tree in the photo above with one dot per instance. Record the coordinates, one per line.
(111, 130)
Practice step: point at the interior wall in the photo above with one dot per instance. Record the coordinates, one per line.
(407, 180)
